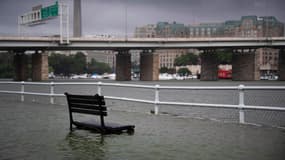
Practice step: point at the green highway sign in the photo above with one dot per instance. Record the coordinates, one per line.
(39, 14)
(50, 11)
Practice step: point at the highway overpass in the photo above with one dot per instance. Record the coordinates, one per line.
(244, 59)
(53, 43)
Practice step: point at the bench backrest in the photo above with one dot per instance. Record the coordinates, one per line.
(86, 104)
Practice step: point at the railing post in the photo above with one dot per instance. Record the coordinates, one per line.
(51, 92)
(22, 91)
(241, 104)
(156, 100)
(99, 89)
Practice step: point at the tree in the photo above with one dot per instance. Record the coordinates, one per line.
(66, 65)
(6, 65)
(224, 56)
(184, 72)
(78, 63)
(167, 70)
(98, 67)
(163, 70)
(186, 59)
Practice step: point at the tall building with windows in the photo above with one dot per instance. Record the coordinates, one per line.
(147, 31)
(206, 30)
(165, 29)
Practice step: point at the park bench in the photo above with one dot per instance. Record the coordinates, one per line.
(94, 105)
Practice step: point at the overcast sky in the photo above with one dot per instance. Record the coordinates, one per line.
(109, 16)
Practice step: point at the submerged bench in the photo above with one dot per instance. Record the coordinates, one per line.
(94, 105)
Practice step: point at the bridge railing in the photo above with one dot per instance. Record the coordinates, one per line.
(240, 89)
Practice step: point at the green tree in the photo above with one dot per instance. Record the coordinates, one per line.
(66, 65)
(78, 63)
(98, 67)
(224, 56)
(186, 59)
(6, 65)
(163, 70)
(184, 72)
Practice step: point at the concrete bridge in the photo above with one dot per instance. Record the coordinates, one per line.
(244, 67)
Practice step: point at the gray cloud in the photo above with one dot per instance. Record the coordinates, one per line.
(108, 16)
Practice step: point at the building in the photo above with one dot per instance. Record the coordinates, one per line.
(165, 29)
(206, 30)
(147, 31)
(104, 56)
(253, 26)
(247, 26)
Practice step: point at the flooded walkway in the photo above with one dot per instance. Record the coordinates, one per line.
(41, 131)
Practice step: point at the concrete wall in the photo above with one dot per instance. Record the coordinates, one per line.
(40, 66)
(209, 66)
(149, 66)
(123, 66)
(245, 66)
(281, 66)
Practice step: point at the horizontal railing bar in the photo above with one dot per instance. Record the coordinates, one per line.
(5, 82)
(199, 88)
(246, 107)
(128, 85)
(26, 93)
(264, 87)
(76, 83)
(36, 83)
(269, 108)
(37, 94)
(129, 99)
(11, 92)
(200, 104)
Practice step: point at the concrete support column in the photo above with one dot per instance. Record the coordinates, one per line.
(21, 67)
(281, 65)
(40, 66)
(245, 65)
(209, 66)
(149, 66)
(123, 66)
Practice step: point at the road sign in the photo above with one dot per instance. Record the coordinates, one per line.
(39, 14)
(50, 11)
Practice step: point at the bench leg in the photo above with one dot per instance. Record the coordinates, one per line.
(70, 126)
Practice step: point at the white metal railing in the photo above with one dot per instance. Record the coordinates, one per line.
(240, 106)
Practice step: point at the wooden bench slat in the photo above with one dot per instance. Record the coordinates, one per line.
(88, 106)
(84, 96)
(86, 101)
(86, 111)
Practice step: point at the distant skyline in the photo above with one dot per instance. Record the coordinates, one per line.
(109, 16)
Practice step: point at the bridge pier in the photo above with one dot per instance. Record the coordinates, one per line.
(209, 65)
(40, 66)
(149, 66)
(281, 65)
(245, 66)
(21, 67)
(123, 66)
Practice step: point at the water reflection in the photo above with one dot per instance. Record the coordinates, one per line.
(84, 145)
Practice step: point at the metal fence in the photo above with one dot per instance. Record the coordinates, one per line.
(156, 89)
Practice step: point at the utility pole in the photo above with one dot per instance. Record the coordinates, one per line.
(77, 23)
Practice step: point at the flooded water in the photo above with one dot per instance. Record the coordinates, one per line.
(40, 131)
(37, 130)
